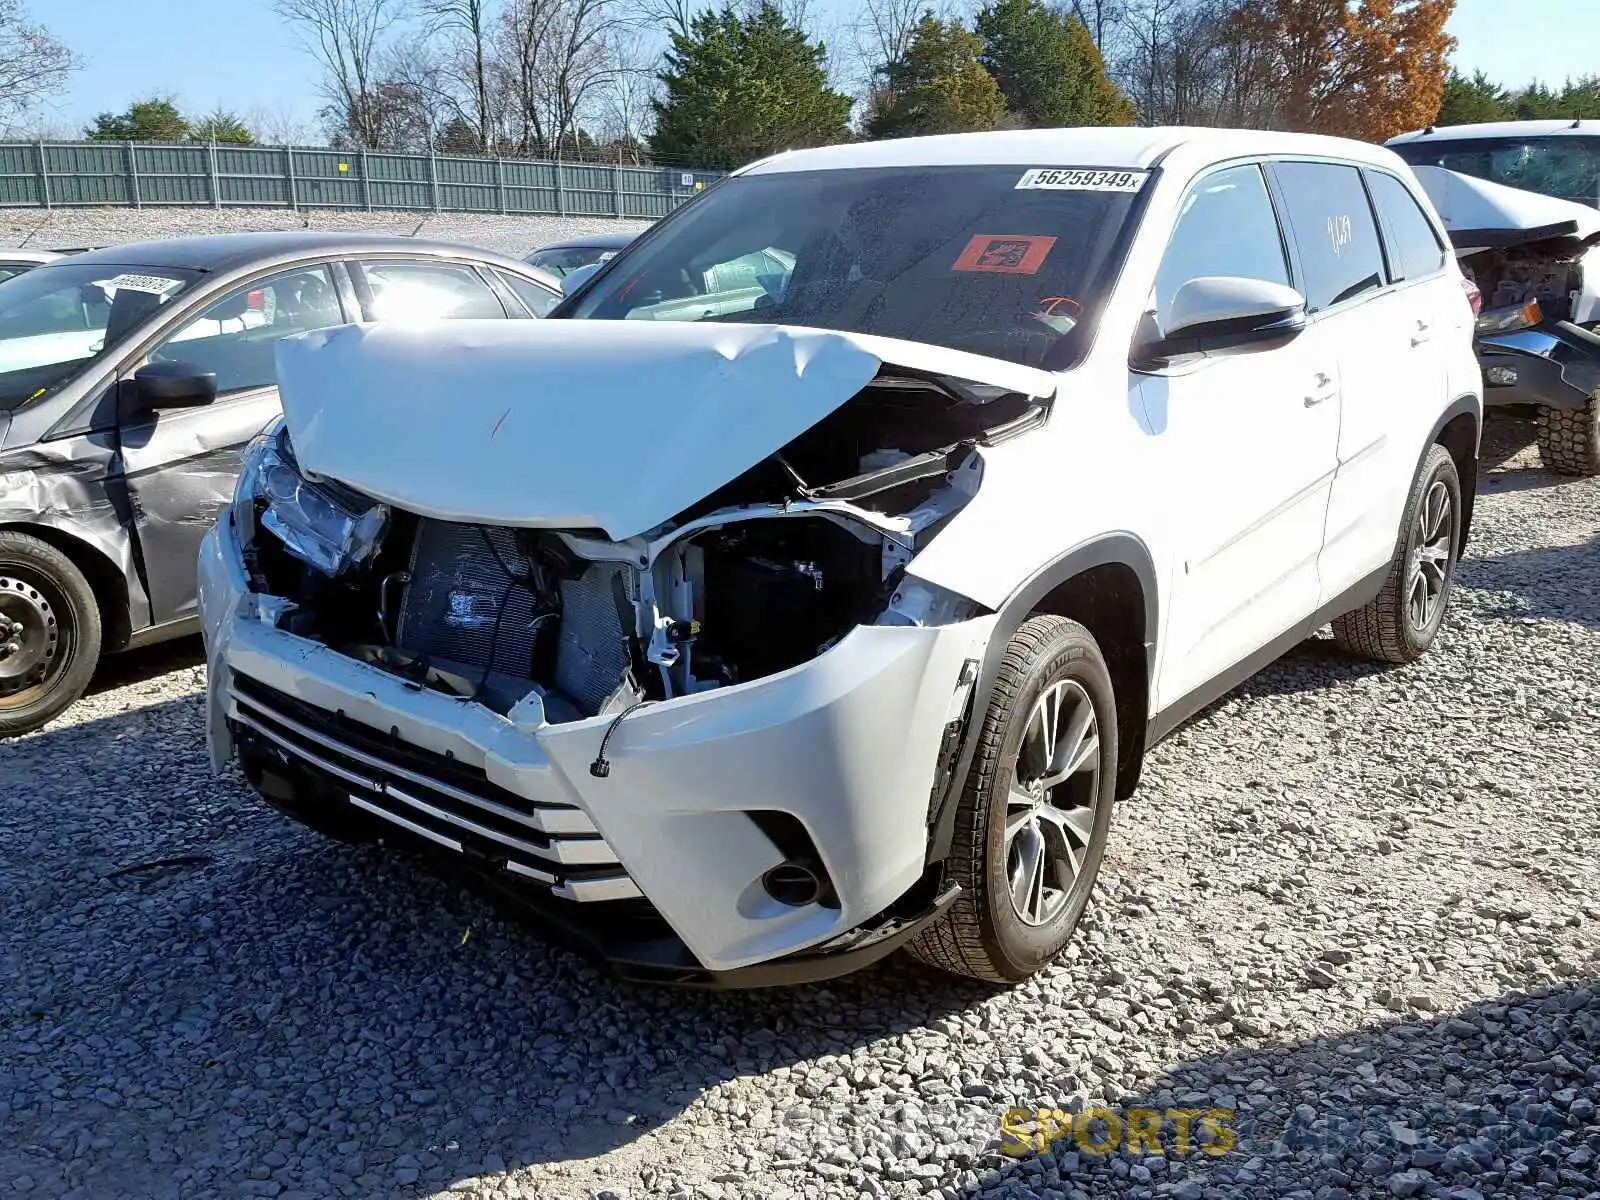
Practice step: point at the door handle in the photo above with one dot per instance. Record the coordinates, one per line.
(1321, 390)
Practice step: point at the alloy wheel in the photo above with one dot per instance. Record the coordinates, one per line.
(1432, 538)
(1050, 809)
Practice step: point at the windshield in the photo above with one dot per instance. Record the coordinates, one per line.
(997, 260)
(55, 320)
(563, 260)
(1566, 167)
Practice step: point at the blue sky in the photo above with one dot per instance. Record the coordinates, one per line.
(238, 53)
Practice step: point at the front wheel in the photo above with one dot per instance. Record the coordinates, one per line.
(1032, 820)
(1569, 438)
(49, 633)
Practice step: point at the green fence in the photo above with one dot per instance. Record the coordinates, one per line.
(68, 174)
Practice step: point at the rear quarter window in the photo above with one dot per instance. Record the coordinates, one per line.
(1414, 246)
(1333, 229)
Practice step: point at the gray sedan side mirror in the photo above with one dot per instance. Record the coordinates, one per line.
(174, 385)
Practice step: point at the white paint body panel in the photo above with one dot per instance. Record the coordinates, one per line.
(1263, 484)
(525, 423)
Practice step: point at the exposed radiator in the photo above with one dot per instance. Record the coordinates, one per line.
(468, 600)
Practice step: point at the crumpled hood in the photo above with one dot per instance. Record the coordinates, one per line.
(1480, 214)
(615, 425)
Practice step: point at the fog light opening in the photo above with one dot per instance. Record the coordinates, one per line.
(795, 884)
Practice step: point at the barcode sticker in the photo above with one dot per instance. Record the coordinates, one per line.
(1076, 179)
(156, 285)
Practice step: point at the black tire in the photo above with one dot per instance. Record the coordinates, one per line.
(50, 642)
(984, 935)
(1394, 628)
(1569, 438)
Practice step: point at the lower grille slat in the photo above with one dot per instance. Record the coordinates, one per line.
(554, 845)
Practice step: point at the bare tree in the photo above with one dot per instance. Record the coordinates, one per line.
(1102, 18)
(466, 24)
(625, 105)
(665, 16)
(278, 125)
(1190, 62)
(557, 60)
(347, 38)
(417, 93)
(34, 64)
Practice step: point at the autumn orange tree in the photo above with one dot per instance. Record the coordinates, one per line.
(1368, 69)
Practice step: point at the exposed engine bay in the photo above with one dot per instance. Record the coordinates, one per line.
(1549, 272)
(765, 573)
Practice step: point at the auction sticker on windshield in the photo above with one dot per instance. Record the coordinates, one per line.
(1072, 179)
(156, 285)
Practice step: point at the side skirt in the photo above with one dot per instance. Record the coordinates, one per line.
(1176, 713)
(165, 632)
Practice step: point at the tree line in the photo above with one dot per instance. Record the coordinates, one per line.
(717, 83)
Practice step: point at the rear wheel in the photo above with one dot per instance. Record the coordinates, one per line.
(49, 633)
(1031, 824)
(1569, 438)
(1403, 621)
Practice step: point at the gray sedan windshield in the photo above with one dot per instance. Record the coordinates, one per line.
(57, 319)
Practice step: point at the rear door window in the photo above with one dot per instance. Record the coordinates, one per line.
(538, 300)
(401, 290)
(1414, 247)
(1333, 229)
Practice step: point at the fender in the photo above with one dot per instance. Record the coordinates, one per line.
(1462, 406)
(1121, 548)
(1557, 364)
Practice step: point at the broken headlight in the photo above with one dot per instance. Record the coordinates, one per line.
(320, 522)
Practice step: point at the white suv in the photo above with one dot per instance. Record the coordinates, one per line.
(816, 587)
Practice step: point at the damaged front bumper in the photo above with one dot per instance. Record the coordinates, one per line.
(660, 867)
(1555, 364)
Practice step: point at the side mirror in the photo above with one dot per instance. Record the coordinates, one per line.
(174, 385)
(1224, 312)
(577, 277)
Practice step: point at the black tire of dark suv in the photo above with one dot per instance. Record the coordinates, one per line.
(1569, 438)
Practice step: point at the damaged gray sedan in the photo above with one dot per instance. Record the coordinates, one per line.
(130, 380)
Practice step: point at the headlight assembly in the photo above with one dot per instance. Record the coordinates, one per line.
(320, 522)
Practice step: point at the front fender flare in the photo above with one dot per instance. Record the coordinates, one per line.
(1120, 548)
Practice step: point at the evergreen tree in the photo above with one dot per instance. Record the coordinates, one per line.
(939, 86)
(1048, 67)
(738, 88)
(154, 119)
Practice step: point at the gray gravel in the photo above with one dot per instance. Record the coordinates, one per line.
(71, 228)
(1359, 908)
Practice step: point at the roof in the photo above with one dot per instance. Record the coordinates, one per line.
(1123, 148)
(15, 255)
(1564, 127)
(598, 241)
(228, 251)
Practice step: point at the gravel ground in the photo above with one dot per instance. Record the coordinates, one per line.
(1357, 908)
(69, 228)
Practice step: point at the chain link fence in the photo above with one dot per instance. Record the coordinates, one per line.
(131, 174)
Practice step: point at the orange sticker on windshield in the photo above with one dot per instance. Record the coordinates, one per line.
(1005, 254)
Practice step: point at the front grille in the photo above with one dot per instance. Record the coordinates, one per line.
(438, 797)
